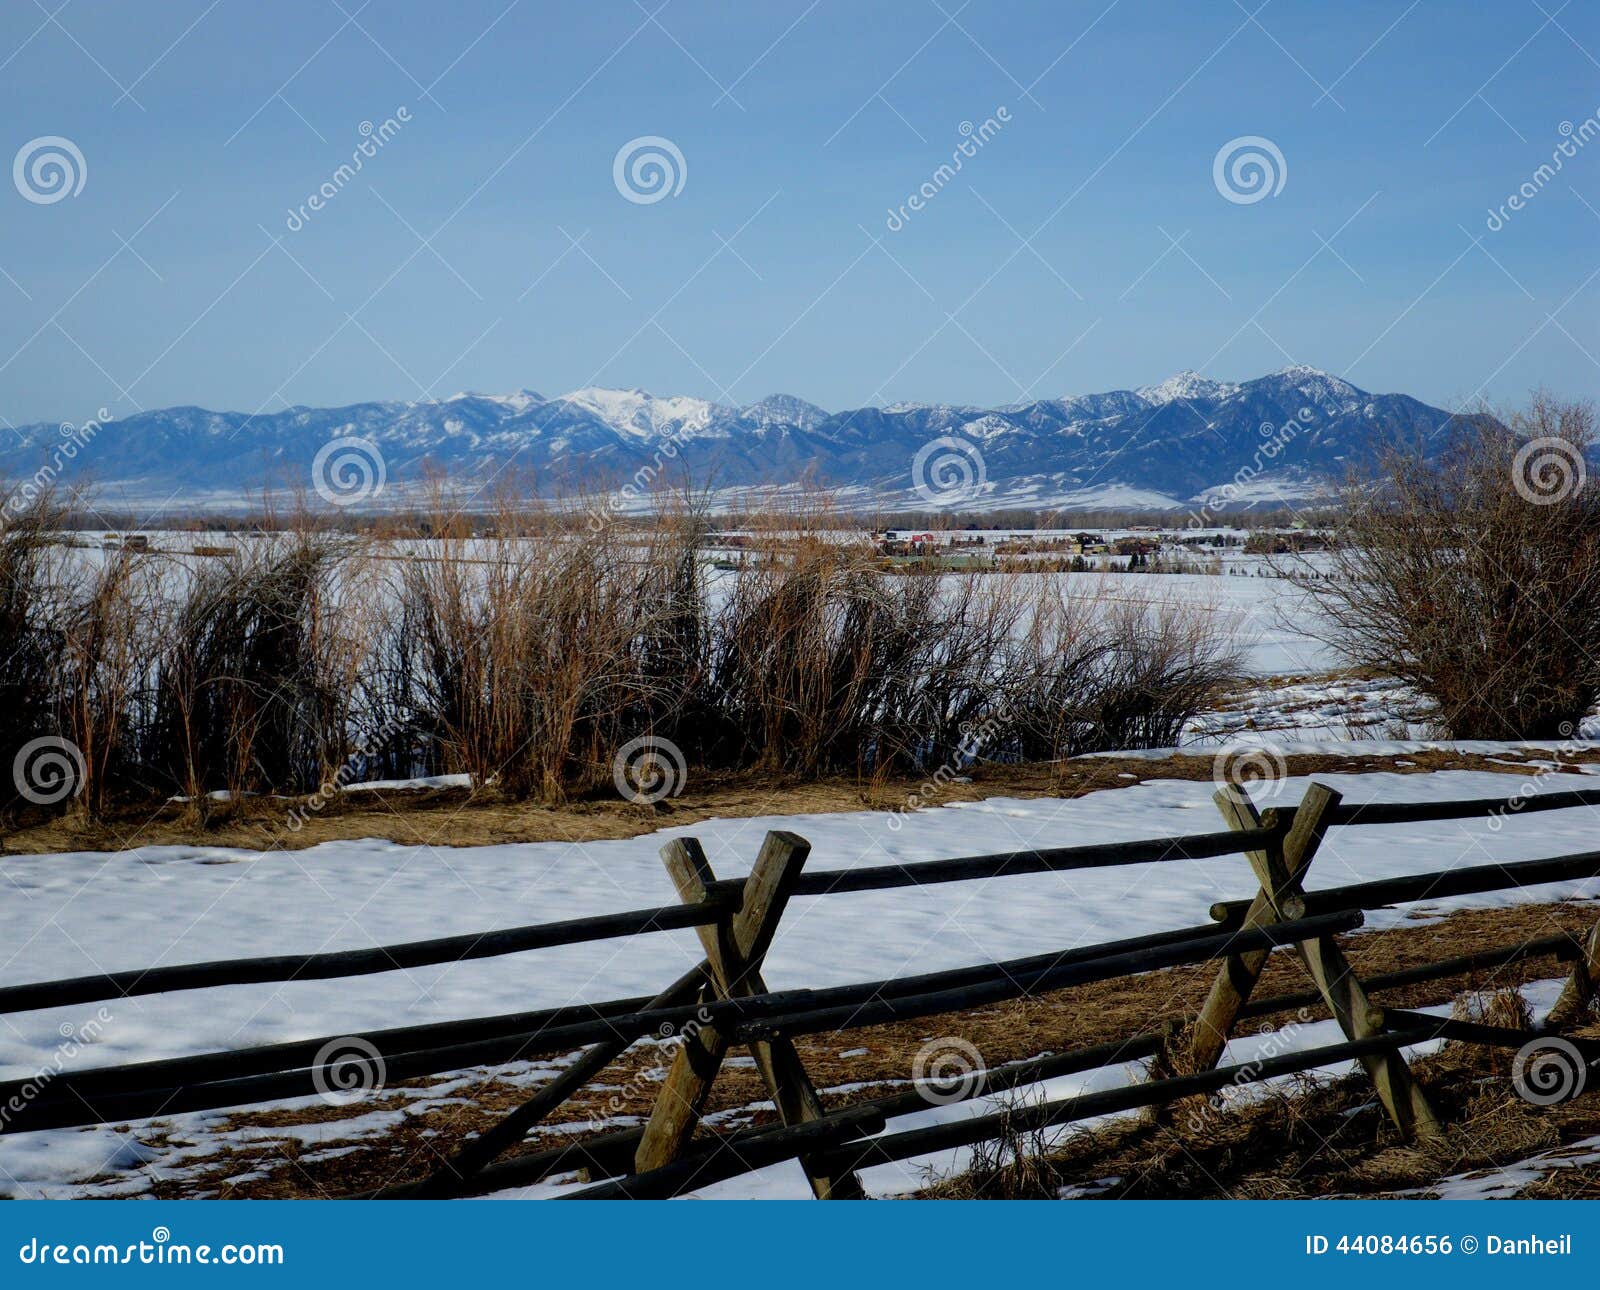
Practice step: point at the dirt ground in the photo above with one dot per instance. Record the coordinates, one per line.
(459, 817)
(1327, 1140)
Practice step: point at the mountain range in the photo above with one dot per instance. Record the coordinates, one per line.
(1288, 435)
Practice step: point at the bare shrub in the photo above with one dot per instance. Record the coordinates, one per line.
(102, 673)
(529, 656)
(1474, 576)
(809, 652)
(526, 650)
(1097, 671)
(828, 663)
(1165, 662)
(1015, 1164)
(824, 662)
(257, 671)
(32, 596)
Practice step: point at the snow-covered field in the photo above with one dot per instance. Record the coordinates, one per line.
(69, 914)
(1262, 610)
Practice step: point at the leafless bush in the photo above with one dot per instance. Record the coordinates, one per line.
(828, 663)
(1165, 662)
(32, 597)
(258, 669)
(817, 657)
(1015, 1164)
(528, 653)
(1475, 575)
(1096, 672)
(529, 658)
(103, 673)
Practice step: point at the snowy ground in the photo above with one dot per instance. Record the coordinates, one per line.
(70, 914)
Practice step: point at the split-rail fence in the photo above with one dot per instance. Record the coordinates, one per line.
(725, 1001)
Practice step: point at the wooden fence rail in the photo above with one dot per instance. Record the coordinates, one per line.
(724, 1001)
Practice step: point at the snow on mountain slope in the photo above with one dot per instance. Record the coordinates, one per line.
(637, 413)
(1185, 385)
(1172, 443)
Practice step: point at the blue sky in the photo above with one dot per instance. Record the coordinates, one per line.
(1084, 246)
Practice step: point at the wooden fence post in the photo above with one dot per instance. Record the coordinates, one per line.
(1238, 975)
(513, 1128)
(1579, 990)
(735, 948)
(1341, 990)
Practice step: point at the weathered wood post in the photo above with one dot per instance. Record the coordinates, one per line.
(1238, 975)
(735, 949)
(1577, 994)
(506, 1133)
(1338, 984)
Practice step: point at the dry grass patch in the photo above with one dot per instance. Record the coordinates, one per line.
(465, 817)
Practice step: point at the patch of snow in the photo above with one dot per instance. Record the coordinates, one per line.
(420, 781)
(642, 415)
(1186, 385)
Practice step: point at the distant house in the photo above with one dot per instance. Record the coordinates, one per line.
(126, 542)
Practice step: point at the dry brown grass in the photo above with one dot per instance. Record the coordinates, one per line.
(529, 659)
(465, 817)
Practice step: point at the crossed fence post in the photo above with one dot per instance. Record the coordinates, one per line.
(735, 948)
(735, 945)
(1280, 868)
(1579, 990)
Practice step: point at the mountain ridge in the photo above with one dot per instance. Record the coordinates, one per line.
(1288, 435)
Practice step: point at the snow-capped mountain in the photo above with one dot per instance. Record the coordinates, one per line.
(1186, 385)
(1290, 434)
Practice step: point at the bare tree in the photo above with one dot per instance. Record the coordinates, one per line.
(1474, 574)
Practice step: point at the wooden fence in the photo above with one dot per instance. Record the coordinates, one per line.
(725, 1001)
